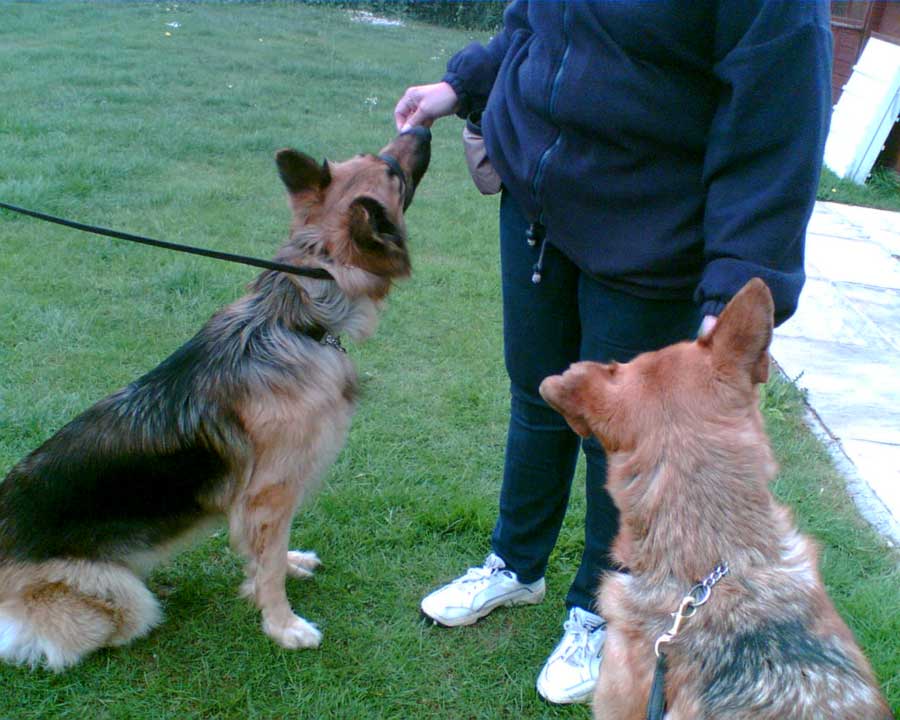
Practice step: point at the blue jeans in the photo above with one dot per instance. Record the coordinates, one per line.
(567, 317)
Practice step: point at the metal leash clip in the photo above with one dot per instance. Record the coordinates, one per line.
(697, 596)
(687, 603)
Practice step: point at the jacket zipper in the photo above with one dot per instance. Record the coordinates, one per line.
(554, 92)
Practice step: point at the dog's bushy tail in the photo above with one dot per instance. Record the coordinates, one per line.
(54, 613)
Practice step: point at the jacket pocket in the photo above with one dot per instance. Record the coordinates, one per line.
(483, 174)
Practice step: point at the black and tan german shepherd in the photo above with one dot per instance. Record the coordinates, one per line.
(237, 424)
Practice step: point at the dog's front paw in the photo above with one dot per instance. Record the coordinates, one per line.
(298, 633)
(302, 564)
(248, 588)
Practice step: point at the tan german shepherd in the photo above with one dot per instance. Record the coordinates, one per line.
(689, 468)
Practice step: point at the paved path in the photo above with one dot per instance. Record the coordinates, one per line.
(843, 347)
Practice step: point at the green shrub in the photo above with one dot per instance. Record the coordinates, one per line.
(461, 14)
(467, 14)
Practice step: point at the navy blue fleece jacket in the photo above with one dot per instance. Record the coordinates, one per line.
(672, 148)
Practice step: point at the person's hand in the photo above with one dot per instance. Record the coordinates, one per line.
(706, 327)
(423, 104)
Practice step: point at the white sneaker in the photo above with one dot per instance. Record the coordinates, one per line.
(570, 673)
(481, 590)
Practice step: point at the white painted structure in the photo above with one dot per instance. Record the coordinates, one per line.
(865, 112)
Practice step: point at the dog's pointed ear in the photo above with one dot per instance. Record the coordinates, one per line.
(569, 394)
(743, 332)
(300, 173)
(370, 228)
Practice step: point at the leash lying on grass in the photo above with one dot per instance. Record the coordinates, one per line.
(319, 273)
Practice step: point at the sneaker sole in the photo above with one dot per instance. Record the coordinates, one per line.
(484, 612)
(583, 699)
(586, 700)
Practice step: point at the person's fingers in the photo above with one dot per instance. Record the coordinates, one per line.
(419, 117)
(405, 107)
(706, 327)
(423, 104)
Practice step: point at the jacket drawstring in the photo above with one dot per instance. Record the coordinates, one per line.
(538, 266)
(537, 233)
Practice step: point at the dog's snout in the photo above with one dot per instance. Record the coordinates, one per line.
(412, 149)
(419, 131)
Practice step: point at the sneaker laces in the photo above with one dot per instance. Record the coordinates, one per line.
(492, 565)
(578, 632)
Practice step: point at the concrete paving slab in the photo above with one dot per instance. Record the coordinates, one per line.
(880, 226)
(828, 220)
(854, 260)
(871, 506)
(827, 315)
(843, 348)
(879, 463)
(881, 306)
(854, 390)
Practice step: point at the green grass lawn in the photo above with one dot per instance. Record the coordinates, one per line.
(107, 119)
(881, 190)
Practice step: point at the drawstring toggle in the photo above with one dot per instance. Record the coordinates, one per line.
(535, 233)
(538, 267)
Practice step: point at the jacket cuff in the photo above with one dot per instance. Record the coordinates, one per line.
(712, 307)
(465, 100)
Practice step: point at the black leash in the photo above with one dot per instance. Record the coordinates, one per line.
(656, 707)
(319, 273)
